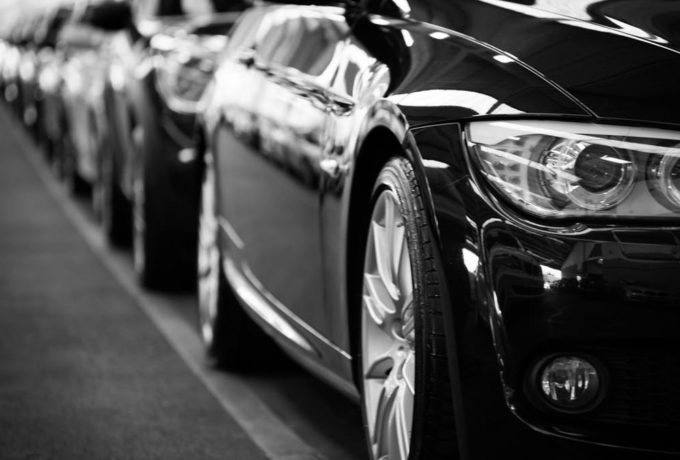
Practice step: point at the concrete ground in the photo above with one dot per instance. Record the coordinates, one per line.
(91, 367)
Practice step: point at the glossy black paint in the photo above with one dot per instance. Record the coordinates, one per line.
(617, 57)
(300, 141)
(614, 300)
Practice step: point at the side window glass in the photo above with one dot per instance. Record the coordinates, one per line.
(321, 38)
(280, 41)
(352, 66)
(244, 32)
(307, 43)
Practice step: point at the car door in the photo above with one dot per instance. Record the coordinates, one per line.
(271, 192)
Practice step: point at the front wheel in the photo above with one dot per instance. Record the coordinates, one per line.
(163, 255)
(407, 406)
(115, 209)
(75, 183)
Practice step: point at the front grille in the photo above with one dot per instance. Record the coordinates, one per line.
(644, 387)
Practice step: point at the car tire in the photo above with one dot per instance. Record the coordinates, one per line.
(116, 215)
(150, 248)
(404, 382)
(56, 161)
(230, 337)
(74, 181)
(59, 148)
(158, 250)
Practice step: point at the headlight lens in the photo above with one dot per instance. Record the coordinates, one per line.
(562, 169)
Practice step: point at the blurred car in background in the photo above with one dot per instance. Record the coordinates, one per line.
(27, 76)
(85, 59)
(5, 47)
(24, 35)
(464, 214)
(51, 113)
(148, 189)
(11, 63)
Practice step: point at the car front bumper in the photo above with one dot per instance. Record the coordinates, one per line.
(521, 292)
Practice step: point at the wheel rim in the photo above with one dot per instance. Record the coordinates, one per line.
(138, 225)
(106, 193)
(139, 200)
(208, 260)
(95, 151)
(388, 333)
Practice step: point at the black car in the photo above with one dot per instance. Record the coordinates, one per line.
(17, 58)
(52, 126)
(147, 187)
(465, 214)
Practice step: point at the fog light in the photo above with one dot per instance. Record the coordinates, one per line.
(570, 383)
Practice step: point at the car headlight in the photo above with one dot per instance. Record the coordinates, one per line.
(563, 170)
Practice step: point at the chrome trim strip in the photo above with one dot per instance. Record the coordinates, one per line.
(231, 233)
(262, 302)
(274, 301)
(261, 306)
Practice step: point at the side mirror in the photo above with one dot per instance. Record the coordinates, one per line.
(110, 15)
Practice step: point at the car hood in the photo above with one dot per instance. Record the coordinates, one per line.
(618, 58)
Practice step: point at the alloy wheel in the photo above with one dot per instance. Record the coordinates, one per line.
(138, 211)
(388, 332)
(208, 260)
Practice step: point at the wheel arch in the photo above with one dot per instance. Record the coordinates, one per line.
(376, 147)
(379, 145)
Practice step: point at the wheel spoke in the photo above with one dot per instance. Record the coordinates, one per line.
(398, 247)
(403, 270)
(401, 421)
(380, 367)
(408, 321)
(408, 373)
(382, 245)
(388, 332)
(378, 301)
(383, 419)
(393, 422)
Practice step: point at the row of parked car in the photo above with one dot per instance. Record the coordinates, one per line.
(462, 214)
(108, 106)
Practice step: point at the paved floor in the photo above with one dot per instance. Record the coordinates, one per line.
(84, 374)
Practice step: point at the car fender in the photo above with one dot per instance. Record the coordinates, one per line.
(386, 118)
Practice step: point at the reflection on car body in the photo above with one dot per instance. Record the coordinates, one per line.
(462, 214)
(531, 159)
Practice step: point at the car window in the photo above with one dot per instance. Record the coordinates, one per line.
(277, 40)
(304, 42)
(244, 33)
(321, 38)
